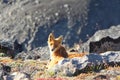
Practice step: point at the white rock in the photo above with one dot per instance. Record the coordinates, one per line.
(20, 76)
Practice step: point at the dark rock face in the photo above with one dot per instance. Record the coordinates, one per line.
(6, 49)
(10, 49)
(105, 44)
(30, 21)
(104, 40)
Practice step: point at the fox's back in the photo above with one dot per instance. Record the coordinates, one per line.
(61, 52)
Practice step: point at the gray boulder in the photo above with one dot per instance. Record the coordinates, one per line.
(111, 56)
(103, 40)
(20, 76)
(41, 53)
(75, 66)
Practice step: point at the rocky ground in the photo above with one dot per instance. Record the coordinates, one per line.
(37, 71)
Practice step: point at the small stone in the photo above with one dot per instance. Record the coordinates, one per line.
(56, 14)
(66, 5)
(20, 75)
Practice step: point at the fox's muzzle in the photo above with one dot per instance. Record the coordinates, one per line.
(52, 49)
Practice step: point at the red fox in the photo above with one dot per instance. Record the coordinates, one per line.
(58, 52)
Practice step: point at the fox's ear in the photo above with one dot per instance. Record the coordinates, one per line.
(60, 39)
(51, 37)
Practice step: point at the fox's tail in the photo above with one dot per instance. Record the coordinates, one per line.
(72, 55)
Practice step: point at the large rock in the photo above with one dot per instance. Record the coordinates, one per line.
(104, 40)
(41, 53)
(30, 21)
(95, 62)
(111, 56)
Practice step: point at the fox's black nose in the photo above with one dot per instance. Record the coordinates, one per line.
(53, 49)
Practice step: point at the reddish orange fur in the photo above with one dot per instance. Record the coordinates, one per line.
(58, 52)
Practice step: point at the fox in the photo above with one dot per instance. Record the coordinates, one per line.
(58, 51)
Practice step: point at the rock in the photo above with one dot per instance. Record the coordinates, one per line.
(7, 78)
(111, 74)
(41, 53)
(72, 66)
(104, 40)
(20, 76)
(94, 62)
(9, 48)
(6, 49)
(111, 56)
(102, 77)
(30, 55)
(4, 70)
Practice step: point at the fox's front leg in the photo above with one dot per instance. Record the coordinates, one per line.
(53, 62)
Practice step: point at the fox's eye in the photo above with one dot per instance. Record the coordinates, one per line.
(51, 44)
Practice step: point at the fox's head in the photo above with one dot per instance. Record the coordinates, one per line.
(54, 43)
